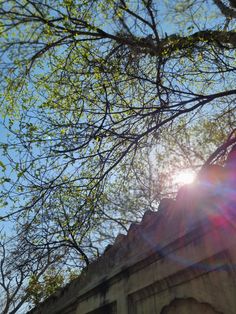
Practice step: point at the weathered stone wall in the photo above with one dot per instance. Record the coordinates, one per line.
(179, 260)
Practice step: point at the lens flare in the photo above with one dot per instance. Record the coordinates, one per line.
(184, 177)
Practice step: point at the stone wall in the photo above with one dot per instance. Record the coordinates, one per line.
(178, 260)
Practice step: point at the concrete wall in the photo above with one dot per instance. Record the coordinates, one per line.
(179, 260)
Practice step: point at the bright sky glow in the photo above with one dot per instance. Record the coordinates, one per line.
(184, 177)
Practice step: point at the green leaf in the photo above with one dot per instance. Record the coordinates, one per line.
(2, 165)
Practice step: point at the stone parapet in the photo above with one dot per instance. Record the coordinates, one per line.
(204, 210)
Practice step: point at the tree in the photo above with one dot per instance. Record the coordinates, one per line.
(21, 268)
(90, 91)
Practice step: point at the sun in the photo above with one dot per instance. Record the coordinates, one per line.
(185, 176)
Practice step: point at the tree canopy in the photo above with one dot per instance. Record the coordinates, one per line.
(102, 100)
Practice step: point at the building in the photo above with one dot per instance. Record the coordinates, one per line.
(178, 260)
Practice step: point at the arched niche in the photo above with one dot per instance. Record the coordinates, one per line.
(187, 306)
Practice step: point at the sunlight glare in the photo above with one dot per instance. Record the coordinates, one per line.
(184, 177)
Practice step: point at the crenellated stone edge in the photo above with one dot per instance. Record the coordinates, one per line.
(209, 181)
